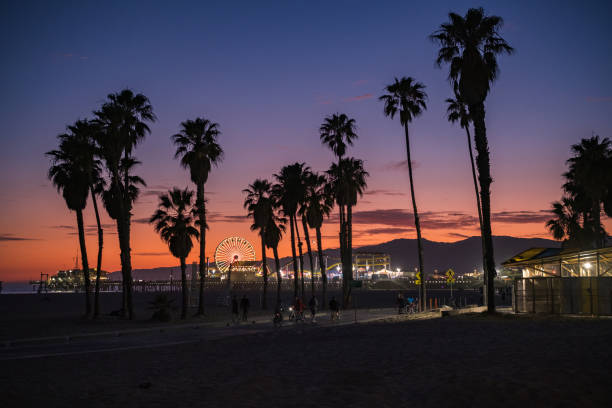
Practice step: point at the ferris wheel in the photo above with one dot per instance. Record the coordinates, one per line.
(233, 249)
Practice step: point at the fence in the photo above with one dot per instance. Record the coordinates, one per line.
(563, 295)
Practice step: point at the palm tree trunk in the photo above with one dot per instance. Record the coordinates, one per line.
(323, 271)
(116, 185)
(417, 222)
(264, 303)
(297, 232)
(128, 255)
(348, 256)
(184, 288)
(308, 246)
(79, 214)
(201, 204)
(99, 264)
(295, 268)
(278, 275)
(469, 139)
(484, 177)
(128, 265)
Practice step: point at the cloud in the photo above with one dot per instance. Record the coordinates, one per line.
(154, 193)
(144, 220)
(13, 238)
(599, 98)
(400, 165)
(360, 82)
(522, 217)
(458, 235)
(400, 218)
(218, 217)
(384, 192)
(390, 230)
(151, 253)
(359, 98)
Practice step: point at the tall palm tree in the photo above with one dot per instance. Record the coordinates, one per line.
(457, 111)
(70, 175)
(471, 45)
(260, 208)
(408, 97)
(198, 149)
(348, 181)
(175, 225)
(288, 192)
(85, 132)
(317, 205)
(122, 120)
(273, 233)
(338, 131)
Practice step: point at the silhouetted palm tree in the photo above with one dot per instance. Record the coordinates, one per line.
(273, 234)
(348, 182)
(85, 131)
(288, 192)
(457, 111)
(123, 124)
(198, 149)
(338, 131)
(470, 45)
(408, 97)
(317, 205)
(588, 181)
(565, 226)
(174, 223)
(259, 205)
(70, 174)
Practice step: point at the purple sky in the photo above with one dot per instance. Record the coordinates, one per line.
(268, 73)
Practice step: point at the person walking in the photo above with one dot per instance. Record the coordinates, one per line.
(313, 307)
(244, 307)
(400, 303)
(235, 318)
(334, 308)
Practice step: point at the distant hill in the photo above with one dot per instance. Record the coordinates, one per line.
(463, 256)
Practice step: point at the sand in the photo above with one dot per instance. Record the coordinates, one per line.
(456, 362)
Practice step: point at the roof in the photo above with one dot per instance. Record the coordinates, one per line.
(531, 255)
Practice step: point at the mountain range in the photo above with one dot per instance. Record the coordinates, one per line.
(463, 256)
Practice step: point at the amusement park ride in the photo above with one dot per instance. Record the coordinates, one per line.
(235, 256)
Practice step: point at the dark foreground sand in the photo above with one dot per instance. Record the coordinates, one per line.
(458, 362)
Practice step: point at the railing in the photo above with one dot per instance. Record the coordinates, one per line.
(563, 295)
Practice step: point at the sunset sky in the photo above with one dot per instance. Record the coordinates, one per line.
(268, 73)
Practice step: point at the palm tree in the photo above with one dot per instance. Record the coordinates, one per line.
(470, 45)
(198, 149)
(319, 203)
(588, 180)
(408, 97)
(70, 174)
(273, 233)
(288, 192)
(85, 132)
(565, 226)
(338, 131)
(457, 111)
(259, 205)
(123, 124)
(175, 225)
(348, 182)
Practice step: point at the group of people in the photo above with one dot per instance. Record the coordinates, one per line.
(240, 309)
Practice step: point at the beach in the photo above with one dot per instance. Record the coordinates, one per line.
(468, 360)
